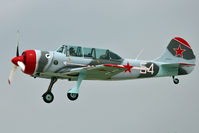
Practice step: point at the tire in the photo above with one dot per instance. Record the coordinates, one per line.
(72, 96)
(176, 81)
(48, 97)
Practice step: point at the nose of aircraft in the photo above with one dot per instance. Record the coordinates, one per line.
(27, 61)
(16, 59)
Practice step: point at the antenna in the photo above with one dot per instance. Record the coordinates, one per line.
(139, 54)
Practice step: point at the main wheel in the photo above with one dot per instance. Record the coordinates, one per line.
(48, 97)
(176, 81)
(72, 96)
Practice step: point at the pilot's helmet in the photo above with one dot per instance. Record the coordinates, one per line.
(71, 49)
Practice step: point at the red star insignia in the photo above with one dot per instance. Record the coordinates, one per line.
(128, 67)
(179, 51)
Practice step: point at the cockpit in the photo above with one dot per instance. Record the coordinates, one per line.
(93, 53)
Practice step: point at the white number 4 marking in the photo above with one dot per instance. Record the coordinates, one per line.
(144, 69)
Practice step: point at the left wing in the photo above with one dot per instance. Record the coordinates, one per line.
(105, 71)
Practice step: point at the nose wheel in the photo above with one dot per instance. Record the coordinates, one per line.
(175, 80)
(48, 97)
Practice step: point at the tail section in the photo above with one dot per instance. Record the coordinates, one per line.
(179, 52)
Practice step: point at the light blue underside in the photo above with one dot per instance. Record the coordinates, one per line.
(81, 76)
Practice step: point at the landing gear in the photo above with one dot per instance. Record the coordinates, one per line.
(175, 80)
(72, 96)
(48, 96)
(74, 92)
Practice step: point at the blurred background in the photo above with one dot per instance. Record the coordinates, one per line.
(123, 26)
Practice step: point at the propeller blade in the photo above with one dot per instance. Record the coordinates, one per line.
(12, 74)
(21, 65)
(17, 52)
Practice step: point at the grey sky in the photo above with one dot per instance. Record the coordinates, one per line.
(124, 26)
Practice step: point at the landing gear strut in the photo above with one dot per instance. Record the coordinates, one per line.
(48, 96)
(175, 80)
(74, 92)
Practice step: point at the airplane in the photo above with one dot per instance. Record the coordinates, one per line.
(77, 63)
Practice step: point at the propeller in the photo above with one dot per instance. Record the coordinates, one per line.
(17, 52)
(21, 65)
(18, 61)
(12, 74)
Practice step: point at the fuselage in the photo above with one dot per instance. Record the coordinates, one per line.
(60, 64)
(52, 63)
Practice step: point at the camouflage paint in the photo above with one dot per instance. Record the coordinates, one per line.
(43, 61)
(187, 54)
(148, 74)
(166, 65)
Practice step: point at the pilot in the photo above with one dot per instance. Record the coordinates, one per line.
(105, 56)
(72, 51)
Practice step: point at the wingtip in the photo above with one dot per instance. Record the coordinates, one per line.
(9, 82)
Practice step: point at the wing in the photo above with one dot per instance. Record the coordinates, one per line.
(100, 72)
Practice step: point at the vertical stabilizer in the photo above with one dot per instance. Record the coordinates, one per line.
(179, 52)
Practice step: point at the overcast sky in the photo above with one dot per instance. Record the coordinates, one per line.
(123, 26)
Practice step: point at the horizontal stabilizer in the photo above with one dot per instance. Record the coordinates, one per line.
(174, 65)
(176, 69)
